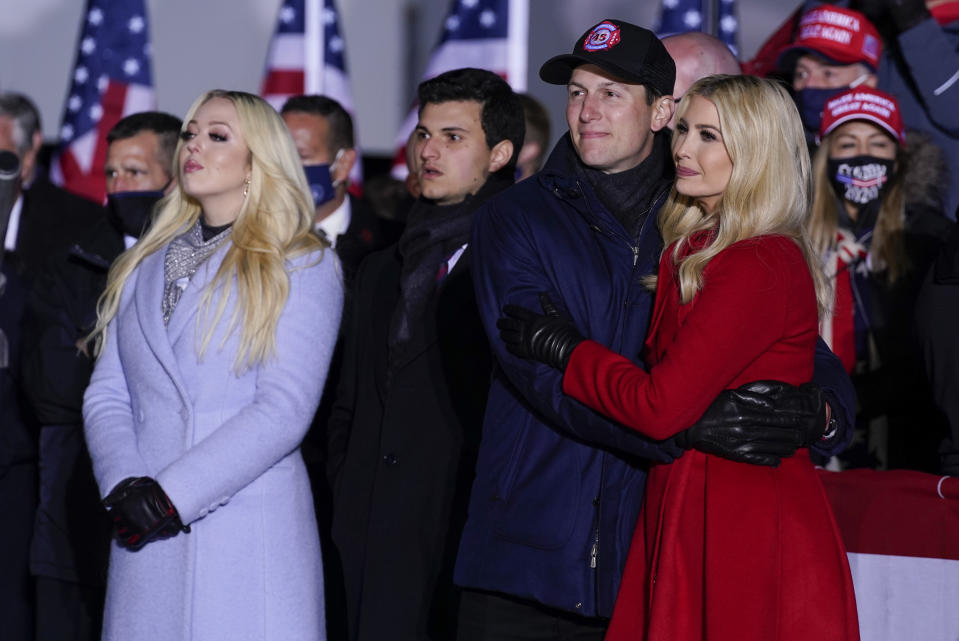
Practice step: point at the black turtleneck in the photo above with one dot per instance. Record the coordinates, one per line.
(209, 231)
(630, 194)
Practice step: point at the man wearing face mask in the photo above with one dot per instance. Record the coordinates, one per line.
(323, 132)
(834, 49)
(69, 548)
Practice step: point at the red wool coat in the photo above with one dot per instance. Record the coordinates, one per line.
(723, 550)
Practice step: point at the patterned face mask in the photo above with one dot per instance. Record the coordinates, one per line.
(860, 180)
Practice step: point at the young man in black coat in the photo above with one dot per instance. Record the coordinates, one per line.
(407, 418)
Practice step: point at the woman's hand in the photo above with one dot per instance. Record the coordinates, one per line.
(142, 512)
(548, 338)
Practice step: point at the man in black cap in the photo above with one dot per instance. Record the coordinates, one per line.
(557, 488)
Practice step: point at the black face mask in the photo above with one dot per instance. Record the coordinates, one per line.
(130, 211)
(860, 180)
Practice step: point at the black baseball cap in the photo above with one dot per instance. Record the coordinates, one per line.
(629, 52)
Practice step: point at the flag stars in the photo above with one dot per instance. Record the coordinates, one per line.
(80, 75)
(336, 44)
(329, 16)
(670, 4)
(487, 18)
(470, 4)
(287, 14)
(136, 24)
(102, 83)
(728, 24)
(131, 66)
(692, 19)
(95, 17)
(96, 112)
(66, 133)
(452, 23)
(75, 103)
(88, 45)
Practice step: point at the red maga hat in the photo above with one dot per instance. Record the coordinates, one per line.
(864, 103)
(842, 36)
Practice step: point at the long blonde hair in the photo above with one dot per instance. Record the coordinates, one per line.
(769, 187)
(274, 224)
(886, 251)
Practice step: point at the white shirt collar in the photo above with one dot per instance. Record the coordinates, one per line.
(13, 226)
(336, 223)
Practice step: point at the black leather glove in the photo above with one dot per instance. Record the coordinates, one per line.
(142, 512)
(760, 423)
(906, 14)
(548, 338)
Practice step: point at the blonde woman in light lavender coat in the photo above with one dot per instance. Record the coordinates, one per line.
(214, 338)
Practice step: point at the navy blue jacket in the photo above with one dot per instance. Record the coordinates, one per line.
(558, 488)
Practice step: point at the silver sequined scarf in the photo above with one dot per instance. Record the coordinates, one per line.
(183, 257)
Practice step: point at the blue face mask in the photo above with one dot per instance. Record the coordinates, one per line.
(812, 102)
(321, 182)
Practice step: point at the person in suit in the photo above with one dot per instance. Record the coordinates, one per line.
(68, 555)
(214, 335)
(45, 220)
(409, 406)
(323, 133)
(18, 469)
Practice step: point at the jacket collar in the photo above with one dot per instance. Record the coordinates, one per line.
(560, 176)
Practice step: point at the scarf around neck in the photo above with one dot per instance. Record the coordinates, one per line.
(433, 233)
(184, 255)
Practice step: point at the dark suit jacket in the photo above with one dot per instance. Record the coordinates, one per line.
(367, 233)
(51, 222)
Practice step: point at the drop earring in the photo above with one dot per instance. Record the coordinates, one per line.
(246, 187)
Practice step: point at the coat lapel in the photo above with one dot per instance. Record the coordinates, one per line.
(149, 295)
(184, 317)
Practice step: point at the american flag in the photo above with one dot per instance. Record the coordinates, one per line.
(487, 34)
(112, 78)
(308, 56)
(680, 16)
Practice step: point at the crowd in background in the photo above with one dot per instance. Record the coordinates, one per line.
(458, 491)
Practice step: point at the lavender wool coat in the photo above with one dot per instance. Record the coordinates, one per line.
(225, 448)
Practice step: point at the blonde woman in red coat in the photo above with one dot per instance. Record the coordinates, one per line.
(722, 550)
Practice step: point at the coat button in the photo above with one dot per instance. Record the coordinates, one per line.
(390, 459)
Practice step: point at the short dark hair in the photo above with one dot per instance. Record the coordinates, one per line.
(501, 114)
(339, 119)
(166, 127)
(25, 117)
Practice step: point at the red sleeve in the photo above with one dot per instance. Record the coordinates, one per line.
(738, 315)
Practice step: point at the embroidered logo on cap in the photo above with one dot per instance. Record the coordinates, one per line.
(603, 36)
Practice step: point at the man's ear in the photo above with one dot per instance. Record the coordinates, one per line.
(663, 108)
(341, 172)
(500, 155)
